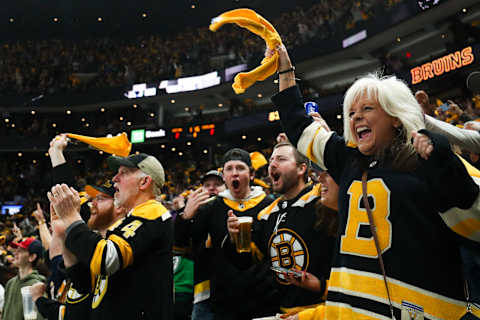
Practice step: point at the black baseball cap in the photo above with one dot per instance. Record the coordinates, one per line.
(106, 187)
(237, 154)
(212, 173)
(145, 162)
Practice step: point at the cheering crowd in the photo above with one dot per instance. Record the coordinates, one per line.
(52, 66)
(380, 222)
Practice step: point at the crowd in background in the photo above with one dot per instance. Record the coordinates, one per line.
(27, 183)
(51, 66)
(57, 65)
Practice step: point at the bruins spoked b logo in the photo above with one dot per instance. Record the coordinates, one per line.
(100, 290)
(73, 296)
(288, 250)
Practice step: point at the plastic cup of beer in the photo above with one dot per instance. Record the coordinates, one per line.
(29, 310)
(244, 236)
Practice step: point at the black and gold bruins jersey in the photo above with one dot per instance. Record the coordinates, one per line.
(421, 256)
(286, 235)
(131, 269)
(210, 225)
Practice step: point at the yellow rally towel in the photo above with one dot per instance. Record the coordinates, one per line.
(261, 183)
(258, 160)
(118, 145)
(252, 21)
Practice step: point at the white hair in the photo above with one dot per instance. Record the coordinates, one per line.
(394, 97)
(157, 191)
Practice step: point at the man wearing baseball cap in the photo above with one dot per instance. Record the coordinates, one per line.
(25, 258)
(226, 283)
(133, 264)
(102, 214)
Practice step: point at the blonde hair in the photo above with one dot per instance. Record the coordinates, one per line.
(394, 97)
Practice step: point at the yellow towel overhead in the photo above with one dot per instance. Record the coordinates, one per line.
(252, 21)
(258, 160)
(118, 145)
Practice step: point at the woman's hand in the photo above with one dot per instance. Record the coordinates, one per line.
(307, 281)
(422, 144)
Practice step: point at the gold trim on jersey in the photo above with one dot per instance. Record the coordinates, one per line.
(305, 199)
(242, 206)
(265, 212)
(317, 313)
(150, 210)
(308, 197)
(474, 310)
(371, 286)
(464, 222)
(295, 310)
(472, 171)
(116, 224)
(125, 249)
(335, 310)
(73, 296)
(96, 263)
(201, 291)
(310, 152)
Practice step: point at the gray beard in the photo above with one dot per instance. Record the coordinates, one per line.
(116, 203)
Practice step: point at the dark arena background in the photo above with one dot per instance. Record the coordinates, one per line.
(153, 70)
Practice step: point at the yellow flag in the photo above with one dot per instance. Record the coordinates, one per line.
(118, 145)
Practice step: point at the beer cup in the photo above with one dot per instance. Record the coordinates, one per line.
(244, 236)
(29, 309)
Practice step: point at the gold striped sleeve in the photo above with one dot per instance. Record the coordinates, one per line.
(96, 262)
(371, 286)
(125, 250)
(347, 312)
(313, 141)
(317, 313)
(465, 222)
(267, 210)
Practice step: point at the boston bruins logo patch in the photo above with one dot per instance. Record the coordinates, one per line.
(288, 250)
(73, 296)
(100, 290)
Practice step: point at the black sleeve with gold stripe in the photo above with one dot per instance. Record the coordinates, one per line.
(289, 104)
(132, 236)
(443, 164)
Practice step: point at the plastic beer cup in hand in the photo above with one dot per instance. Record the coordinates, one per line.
(29, 310)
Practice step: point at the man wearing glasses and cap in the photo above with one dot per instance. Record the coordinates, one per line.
(102, 214)
(133, 264)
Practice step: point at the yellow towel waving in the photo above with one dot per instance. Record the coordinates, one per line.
(118, 145)
(252, 21)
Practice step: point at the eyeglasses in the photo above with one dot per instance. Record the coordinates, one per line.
(98, 199)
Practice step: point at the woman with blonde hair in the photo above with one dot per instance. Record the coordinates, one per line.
(395, 257)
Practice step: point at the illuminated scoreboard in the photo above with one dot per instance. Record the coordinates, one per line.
(194, 131)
